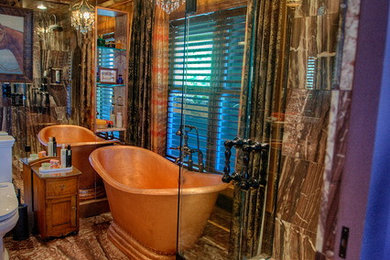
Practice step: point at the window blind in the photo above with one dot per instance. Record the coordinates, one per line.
(104, 92)
(212, 82)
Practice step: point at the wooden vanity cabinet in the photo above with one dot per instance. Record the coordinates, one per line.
(56, 203)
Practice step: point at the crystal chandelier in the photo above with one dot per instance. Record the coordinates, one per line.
(82, 16)
(169, 5)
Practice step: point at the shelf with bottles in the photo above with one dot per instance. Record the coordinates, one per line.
(103, 85)
(112, 59)
(107, 41)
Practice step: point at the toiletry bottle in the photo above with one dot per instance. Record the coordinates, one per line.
(69, 157)
(101, 41)
(120, 79)
(63, 156)
(119, 120)
(54, 147)
(112, 119)
(50, 147)
(119, 44)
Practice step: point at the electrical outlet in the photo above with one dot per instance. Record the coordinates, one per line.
(344, 242)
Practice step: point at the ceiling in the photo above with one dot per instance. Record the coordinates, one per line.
(32, 4)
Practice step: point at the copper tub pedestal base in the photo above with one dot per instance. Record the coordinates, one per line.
(132, 248)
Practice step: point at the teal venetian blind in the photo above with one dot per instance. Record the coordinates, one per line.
(104, 92)
(212, 81)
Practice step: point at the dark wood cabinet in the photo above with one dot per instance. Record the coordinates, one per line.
(56, 203)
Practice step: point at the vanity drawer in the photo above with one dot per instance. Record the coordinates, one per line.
(61, 187)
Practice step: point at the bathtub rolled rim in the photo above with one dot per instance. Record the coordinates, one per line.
(157, 192)
(98, 141)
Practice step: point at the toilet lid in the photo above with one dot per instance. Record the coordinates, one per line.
(8, 201)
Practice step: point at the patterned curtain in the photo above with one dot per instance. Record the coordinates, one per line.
(140, 74)
(82, 94)
(160, 81)
(265, 23)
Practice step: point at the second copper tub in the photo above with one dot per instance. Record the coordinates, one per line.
(83, 142)
(142, 191)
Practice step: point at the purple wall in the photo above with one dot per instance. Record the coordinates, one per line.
(364, 110)
(377, 227)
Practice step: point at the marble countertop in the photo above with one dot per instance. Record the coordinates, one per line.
(74, 172)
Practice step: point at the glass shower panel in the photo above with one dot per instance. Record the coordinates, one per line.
(207, 52)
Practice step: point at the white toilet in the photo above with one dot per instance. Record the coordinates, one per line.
(8, 202)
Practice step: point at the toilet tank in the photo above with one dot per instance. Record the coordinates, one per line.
(6, 143)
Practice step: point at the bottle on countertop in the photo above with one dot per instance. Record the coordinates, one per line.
(54, 147)
(63, 156)
(69, 157)
(50, 147)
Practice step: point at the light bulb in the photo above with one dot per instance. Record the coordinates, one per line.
(86, 15)
(41, 7)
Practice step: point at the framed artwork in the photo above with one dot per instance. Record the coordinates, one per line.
(108, 76)
(16, 39)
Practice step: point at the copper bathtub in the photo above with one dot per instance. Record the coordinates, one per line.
(142, 191)
(83, 142)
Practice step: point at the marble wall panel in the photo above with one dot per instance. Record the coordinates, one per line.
(334, 171)
(350, 43)
(313, 37)
(295, 243)
(317, 7)
(306, 122)
(300, 193)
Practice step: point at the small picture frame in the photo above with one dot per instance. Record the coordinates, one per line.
(108, 76)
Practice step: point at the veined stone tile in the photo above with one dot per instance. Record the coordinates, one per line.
(293, 242)
(350, 44)
(329, 157)
(299, 193)
(305, 126)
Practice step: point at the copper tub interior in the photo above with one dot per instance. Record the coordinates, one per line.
(142, 190)
(83, 141)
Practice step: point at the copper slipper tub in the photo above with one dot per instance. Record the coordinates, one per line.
(83, 142)
(142, 192)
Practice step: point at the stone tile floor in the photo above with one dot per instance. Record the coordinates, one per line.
(91, 243)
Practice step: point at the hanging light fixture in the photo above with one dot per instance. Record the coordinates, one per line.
(169, 5)
(294, 3)
(82, 16)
